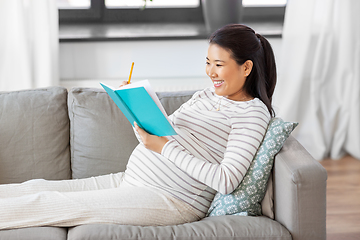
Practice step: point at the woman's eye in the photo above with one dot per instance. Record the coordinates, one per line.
(218, 65)
(207, 63)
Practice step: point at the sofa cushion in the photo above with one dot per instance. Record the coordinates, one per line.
(34, 135)
(247, 197)
(101, 137)
(34, 233)
(222, 227)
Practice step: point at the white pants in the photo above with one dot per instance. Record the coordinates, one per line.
(103, 199)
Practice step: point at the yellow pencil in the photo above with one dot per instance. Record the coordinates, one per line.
(132, 67)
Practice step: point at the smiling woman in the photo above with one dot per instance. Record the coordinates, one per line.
(170, 180)
(228, 77)
(242, 63)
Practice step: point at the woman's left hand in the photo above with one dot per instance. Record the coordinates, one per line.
(151, 142)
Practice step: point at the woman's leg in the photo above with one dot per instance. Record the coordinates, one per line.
(122, 205)
(73, 185)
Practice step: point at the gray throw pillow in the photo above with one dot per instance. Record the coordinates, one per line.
(34, 135)
(101, 137)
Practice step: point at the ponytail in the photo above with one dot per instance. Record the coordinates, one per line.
(245, 44)
(270, 72)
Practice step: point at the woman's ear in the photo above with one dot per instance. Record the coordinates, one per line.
(248, 67)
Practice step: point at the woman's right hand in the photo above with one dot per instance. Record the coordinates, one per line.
(123, 84)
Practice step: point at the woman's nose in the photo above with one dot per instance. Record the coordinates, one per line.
(212, 73)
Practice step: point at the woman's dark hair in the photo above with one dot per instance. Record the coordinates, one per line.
(244, 44)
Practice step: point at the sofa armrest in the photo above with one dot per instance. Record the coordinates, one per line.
(300, 192)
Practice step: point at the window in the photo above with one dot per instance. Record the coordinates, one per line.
(264, 3)
(157, 10)
(152, 4)
(262, 10)
(73, 4)
(76, 4)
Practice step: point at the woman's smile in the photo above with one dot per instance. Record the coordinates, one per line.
(218, 83)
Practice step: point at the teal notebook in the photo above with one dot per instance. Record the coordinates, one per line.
(139, 103)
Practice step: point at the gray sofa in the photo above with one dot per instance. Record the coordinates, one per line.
(55, 134)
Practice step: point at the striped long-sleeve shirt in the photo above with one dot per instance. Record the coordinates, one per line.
(212, 151)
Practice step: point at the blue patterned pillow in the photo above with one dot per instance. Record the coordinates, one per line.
(246, 199)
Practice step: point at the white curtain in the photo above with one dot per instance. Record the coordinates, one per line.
(319, 75)
(28, 44)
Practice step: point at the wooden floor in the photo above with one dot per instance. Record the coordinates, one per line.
(343, 199)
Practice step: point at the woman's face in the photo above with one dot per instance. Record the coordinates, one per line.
(227, 76)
